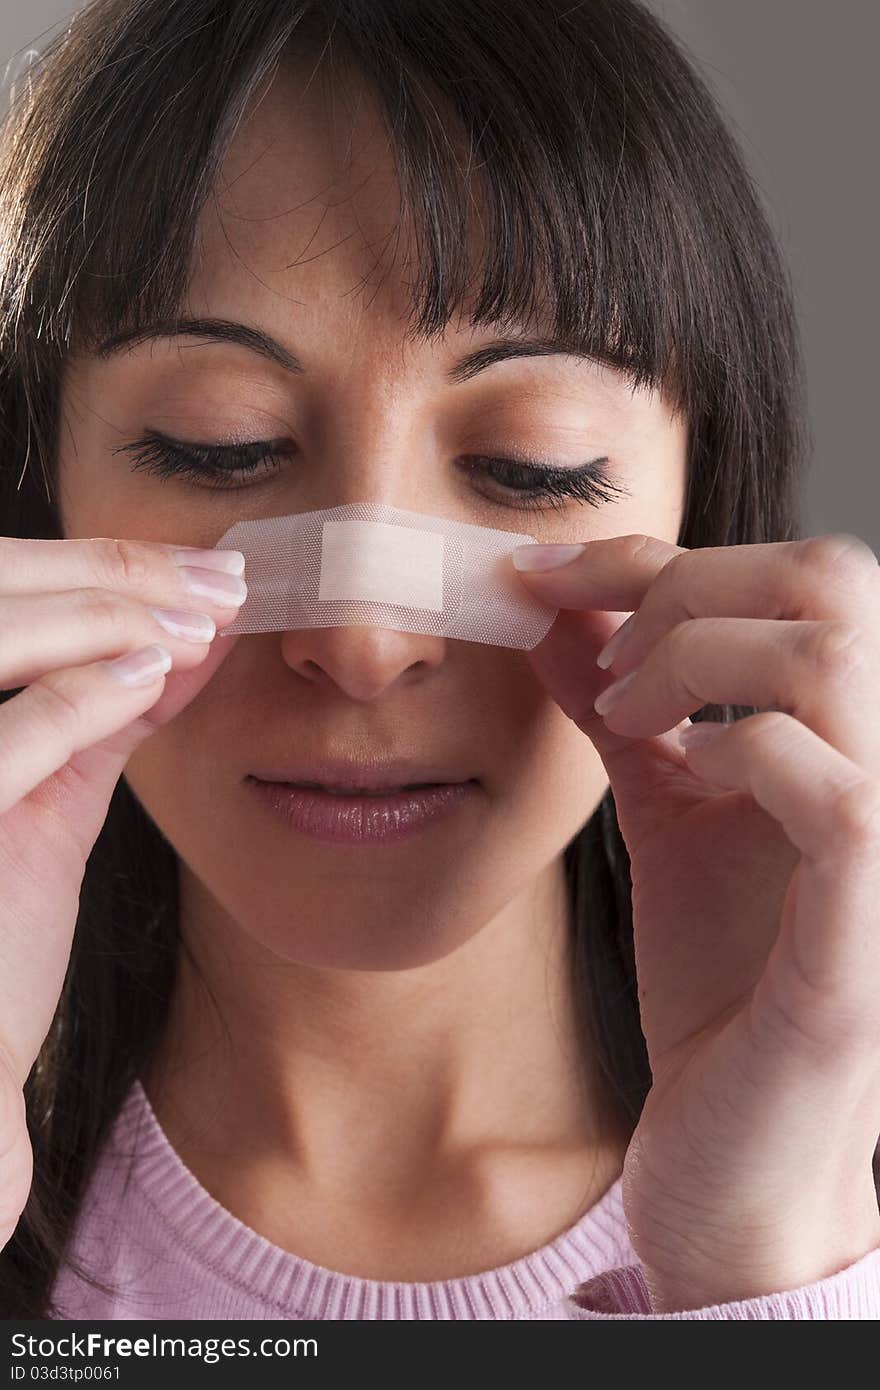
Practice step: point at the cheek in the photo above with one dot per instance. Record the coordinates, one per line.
(658, 483)
(558, 778)
(549, 777)
(658, 510)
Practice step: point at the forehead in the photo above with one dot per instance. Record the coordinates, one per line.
(304, 234)
(307, 205)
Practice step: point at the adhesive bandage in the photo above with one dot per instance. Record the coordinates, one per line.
(366, 563)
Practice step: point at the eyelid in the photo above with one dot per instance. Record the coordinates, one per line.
(535, 463)
(589, 483)
(522, 477)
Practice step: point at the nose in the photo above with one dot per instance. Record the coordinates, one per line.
(362, 663)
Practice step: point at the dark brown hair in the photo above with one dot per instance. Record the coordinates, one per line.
(613, 194)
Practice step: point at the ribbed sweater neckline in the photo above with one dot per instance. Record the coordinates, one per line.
(295, 1287)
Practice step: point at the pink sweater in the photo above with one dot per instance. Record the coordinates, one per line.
(173, 1252)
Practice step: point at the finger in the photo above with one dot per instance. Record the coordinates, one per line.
(143, 569)
(182, 687)
(826, 959)
(614, 573)
(45, 632)
(821, 577)
(565, 663)
(649, 778)
(78, 792)
(825, 674)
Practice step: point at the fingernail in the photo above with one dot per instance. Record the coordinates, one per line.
(229, 561)
(192, 627)
(141, 667)
(702, 732)
(613, 647)
(613, 692)
(544, 557)
(219, 588)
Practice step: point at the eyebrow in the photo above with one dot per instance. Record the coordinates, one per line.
(228, 331)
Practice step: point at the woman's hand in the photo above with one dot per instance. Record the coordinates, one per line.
(756, 894)
(68, 608)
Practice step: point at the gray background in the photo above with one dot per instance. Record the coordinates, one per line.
(797, 81)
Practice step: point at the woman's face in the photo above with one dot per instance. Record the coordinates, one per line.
(301, 244)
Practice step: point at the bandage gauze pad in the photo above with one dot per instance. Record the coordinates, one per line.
(366, 563)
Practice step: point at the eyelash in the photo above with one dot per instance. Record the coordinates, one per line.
(533, 482)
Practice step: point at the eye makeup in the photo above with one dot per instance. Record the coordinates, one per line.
(522, 482)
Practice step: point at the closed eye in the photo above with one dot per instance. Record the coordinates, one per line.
(534, 482)
(521, 483)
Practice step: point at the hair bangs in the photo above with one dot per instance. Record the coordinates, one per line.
(499, 122)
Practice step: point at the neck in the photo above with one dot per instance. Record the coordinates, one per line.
(475, 1053)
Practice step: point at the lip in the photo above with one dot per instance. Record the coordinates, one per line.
(362, 819)
(361, 775)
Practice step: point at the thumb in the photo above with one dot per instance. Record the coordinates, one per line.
(565, 663)
(84, 786)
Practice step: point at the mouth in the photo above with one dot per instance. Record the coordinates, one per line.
(351, 778)
(354, 790)
(372, 806)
